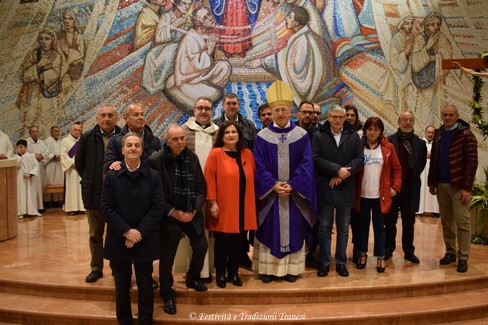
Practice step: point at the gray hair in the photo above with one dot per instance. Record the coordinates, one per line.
(336, 109)
(171, 126)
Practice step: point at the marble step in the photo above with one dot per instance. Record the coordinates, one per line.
(458, 307)
(308, 289)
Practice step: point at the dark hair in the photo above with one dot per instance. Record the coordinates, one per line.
(301, 15)
(262, 107)
(374, 121)
(304, 103)
(219, 139)
(231, 95)
(21, 142)
(358, 124)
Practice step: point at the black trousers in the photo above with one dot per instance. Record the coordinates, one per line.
(227, 252)
(170, 236)
(401, 201)
(122, 276)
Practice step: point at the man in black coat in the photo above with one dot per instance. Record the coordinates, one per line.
(412, 153)
(135, 123)
(132, 205)
(184, 188)
(338, 156)
(89, 165)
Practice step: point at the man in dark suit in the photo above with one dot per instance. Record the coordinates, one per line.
(412, 153)
(89, 165)
(132, 205)
(185, 188)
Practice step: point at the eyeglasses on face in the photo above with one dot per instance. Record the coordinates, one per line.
(203, 108)
(336, 117)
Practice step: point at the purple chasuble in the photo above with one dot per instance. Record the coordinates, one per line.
(284, 222)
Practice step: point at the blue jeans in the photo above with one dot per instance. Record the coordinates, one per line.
(326, 221)
(371, 207)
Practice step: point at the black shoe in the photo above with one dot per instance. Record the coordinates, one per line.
(154, 284)
(447, 259)
(169, 306)
(197, 285)
(312, 260)
(220, 280)
(93, 276)
(290, 278)
(462, 266)
(412, 258)
(362, 260)
(342, 270)
(323, 271)
(41, 210)
(380, 265)
(266, 278)
(235, 280)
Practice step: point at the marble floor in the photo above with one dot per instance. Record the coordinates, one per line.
(53, 250)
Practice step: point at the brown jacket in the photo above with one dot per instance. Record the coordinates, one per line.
(463, 158)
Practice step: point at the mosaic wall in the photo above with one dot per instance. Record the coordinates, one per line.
(63, 59)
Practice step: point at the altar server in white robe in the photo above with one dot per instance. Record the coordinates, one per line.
(39, 149)
(428, 202)
(54, 172)
(26, 187)
(73, 202)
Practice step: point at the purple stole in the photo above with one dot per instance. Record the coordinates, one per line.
(72, 151)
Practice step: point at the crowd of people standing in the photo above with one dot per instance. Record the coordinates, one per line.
(227, 187)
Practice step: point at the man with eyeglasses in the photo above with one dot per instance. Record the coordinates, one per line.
(231, 113)
(338, 156)
(200, 132)
(184, 190)
(306, 117)
(412, 154)
(286, 193)
(305, 121)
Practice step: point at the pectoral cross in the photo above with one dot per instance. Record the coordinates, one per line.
(282, 138)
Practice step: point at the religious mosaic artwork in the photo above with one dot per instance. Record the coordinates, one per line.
(62, 59)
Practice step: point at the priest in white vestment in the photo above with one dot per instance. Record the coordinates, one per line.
(54, 172)
(27, 166)
(39, 149)
(200, 133)
(73, 202)
(6, 148)
(428, 202)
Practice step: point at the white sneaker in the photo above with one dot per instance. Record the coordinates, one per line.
(38, 215)
(21, 216)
